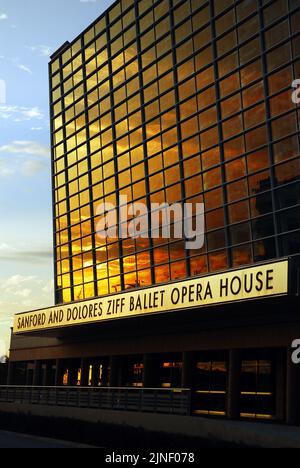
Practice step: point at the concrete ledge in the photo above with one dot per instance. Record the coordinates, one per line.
(237, 432)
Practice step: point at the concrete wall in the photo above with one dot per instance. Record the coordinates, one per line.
(249, 434)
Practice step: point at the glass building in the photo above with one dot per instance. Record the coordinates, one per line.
(180, 101)
(175, 101)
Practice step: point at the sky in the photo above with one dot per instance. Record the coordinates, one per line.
(30, 31)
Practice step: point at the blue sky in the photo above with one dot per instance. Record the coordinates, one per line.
(30, 31)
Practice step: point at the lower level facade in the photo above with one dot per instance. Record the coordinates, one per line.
(235, 358)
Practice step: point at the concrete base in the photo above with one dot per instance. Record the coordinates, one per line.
(246, 433)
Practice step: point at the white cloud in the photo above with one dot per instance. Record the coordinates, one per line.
(6, 248)
(24, 286)
(18, 294)
(33, 113)
(3, 16)
(26, 157)
(25, 293)
(49, 287)
(31, 168)
(5, 172)
(11, 284)
(25, 68)
(20, 113)
(42, 50)
(25, 147)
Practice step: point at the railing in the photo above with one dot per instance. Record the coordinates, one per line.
(170, 401)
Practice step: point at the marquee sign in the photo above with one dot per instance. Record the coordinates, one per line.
(260, 281)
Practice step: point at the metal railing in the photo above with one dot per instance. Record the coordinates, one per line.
(167, 401)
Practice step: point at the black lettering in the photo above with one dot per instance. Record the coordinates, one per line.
(260, 282)
(208, 292)
(248, 284)
(145, 302)
(155, 300)
(199, 292)
(85, 312)
(175, 296)
(192, 293)
(270, 280)
(237, 291)
(184, 293)
(224, 287)
(162, 294)
(69, 314)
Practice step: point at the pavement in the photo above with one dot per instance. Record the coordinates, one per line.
(14, 440)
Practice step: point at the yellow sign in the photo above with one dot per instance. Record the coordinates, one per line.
(251, 283)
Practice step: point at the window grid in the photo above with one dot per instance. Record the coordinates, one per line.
(181, 101)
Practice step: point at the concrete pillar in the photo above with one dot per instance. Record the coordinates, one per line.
(188, 362)
(280, 384)
(10, 373)
(59, 372)
(37, 373)
(85, 370)
(292, 391)
(233, 388)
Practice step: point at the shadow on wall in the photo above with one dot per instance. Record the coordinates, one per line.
(102, 435)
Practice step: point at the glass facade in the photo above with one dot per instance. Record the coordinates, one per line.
(173, 101)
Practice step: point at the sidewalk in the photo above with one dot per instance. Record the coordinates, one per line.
(14, 440)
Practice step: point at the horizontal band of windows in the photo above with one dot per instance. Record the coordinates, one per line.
(277, 113)
(214, 172)
(198, 71)
(200, 133)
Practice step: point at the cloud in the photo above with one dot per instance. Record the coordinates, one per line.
(26, 147)
(23, 293)
(26, 157)
(5, 172)
(25, 68)
(31, 168)
(22, 286)
(12, 254)
(49, 287)
(19, 293)
(42, 50)
(20, 113)
(3, 16)
(33, 113)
